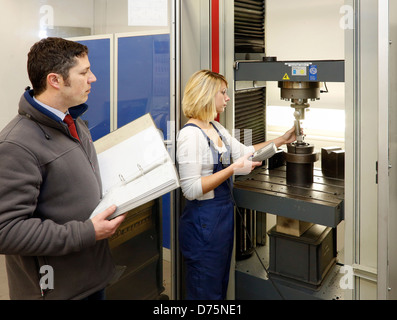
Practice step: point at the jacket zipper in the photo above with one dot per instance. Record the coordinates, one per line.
(37, 263)
(88, 158)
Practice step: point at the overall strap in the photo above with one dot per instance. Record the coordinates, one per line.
(220, 135)
(228, 149)
(216, 154)
(205, 135)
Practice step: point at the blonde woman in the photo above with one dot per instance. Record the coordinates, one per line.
(208, 156)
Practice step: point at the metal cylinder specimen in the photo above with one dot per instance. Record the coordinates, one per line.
(295, 90)
(300, 160)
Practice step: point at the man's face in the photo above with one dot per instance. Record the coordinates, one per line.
(76, 88)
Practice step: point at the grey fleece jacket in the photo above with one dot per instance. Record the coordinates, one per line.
(49, 185)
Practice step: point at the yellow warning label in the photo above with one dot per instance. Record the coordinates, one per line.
(286, 77)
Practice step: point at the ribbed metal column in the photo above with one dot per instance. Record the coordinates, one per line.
(249, 37)
(250, 111)
(249, 28)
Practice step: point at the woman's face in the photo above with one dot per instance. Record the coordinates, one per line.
(221, 99)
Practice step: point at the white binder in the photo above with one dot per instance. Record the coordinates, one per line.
(135, 166)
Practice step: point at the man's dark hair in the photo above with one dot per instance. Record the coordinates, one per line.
(52, 55)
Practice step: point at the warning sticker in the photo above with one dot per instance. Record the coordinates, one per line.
(299, 71)
(286, 77)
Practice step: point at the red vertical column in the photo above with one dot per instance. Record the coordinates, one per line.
(215, 34)
(215, 37)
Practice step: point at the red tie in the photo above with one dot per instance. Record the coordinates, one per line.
(72, 127)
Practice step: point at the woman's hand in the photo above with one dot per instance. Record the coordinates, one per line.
(244, 165)
(286, 138)
(240, 167)
(289, 136)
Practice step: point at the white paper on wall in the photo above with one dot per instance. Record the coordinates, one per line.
(148, 13)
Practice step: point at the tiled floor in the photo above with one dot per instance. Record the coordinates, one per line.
(4, 285)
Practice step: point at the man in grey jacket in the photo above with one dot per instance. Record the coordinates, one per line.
(50, 183)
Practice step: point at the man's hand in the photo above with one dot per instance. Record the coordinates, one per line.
(105, 228)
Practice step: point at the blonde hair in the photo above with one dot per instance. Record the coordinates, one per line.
(199, 96)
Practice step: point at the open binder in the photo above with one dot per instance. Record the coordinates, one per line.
(135, 166)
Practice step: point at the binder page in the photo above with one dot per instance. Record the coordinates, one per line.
(148, 187)
(132, 158)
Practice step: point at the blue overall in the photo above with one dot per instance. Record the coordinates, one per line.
(206, 236)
